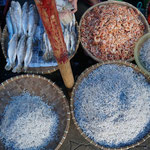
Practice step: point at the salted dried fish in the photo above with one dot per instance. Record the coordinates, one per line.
(12, 49)
(46, 54)
(17, 14)
(21, 52)
(32, 20)
(25, 10)
(9, 24)
(13, 21)
(29, 53)
(39, 31)
(62, 26)
(73, 42)
(67, 40)
(48, 49)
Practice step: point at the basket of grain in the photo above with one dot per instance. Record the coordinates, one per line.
(110, 105)
(109, 30)
(142, 53)
(37, 51)
(34, 114)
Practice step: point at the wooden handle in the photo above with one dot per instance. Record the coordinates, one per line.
(50, 18)
(66, 73)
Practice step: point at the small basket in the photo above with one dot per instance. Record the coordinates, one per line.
(80, 79)
(52, 95)
(36, 70)
(119, 3)
(138, 46)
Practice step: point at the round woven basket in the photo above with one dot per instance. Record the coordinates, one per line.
(137, 49)
(119, 3)
(36, 70)
(79, 80)
(50, 93)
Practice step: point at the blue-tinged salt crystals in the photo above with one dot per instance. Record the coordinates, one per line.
(112, 106)
(145, 55)
(28, 123)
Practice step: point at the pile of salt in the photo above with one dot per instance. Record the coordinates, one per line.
(28, 123)
(112, 106)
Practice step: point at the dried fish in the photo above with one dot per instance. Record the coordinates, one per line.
(29, 53)
(48, 49)
(17, 14)
(73, 42)
(9, 24)
(21, 52)
(12, 49)
(67, 39)
(13, 21)
(32, 20)
(25, 10)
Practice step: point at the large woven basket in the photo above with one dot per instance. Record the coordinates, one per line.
(36, 70)
(51, 94)
(81, 77)
(119, 3)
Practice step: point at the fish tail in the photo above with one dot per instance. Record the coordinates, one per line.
(13, 65)
(8, 66)
(17, 69)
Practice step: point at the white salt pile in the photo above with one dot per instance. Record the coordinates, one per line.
(145, 55)
(112, 106)
(28, 123)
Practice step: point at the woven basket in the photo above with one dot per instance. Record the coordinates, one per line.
(52, 95)
(81, 77)
(137, 49)
(36, 70)
(119, 3)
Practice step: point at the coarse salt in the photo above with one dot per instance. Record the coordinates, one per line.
(28, 123)
(145, 54)
(112, 106)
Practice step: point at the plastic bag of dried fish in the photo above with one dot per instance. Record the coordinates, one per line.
(35, 50)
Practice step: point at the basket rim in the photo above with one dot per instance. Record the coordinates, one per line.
(8, 81)
(105, 3)
(137, 49)
(47, 70)
(146, 13)
(80, 78)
